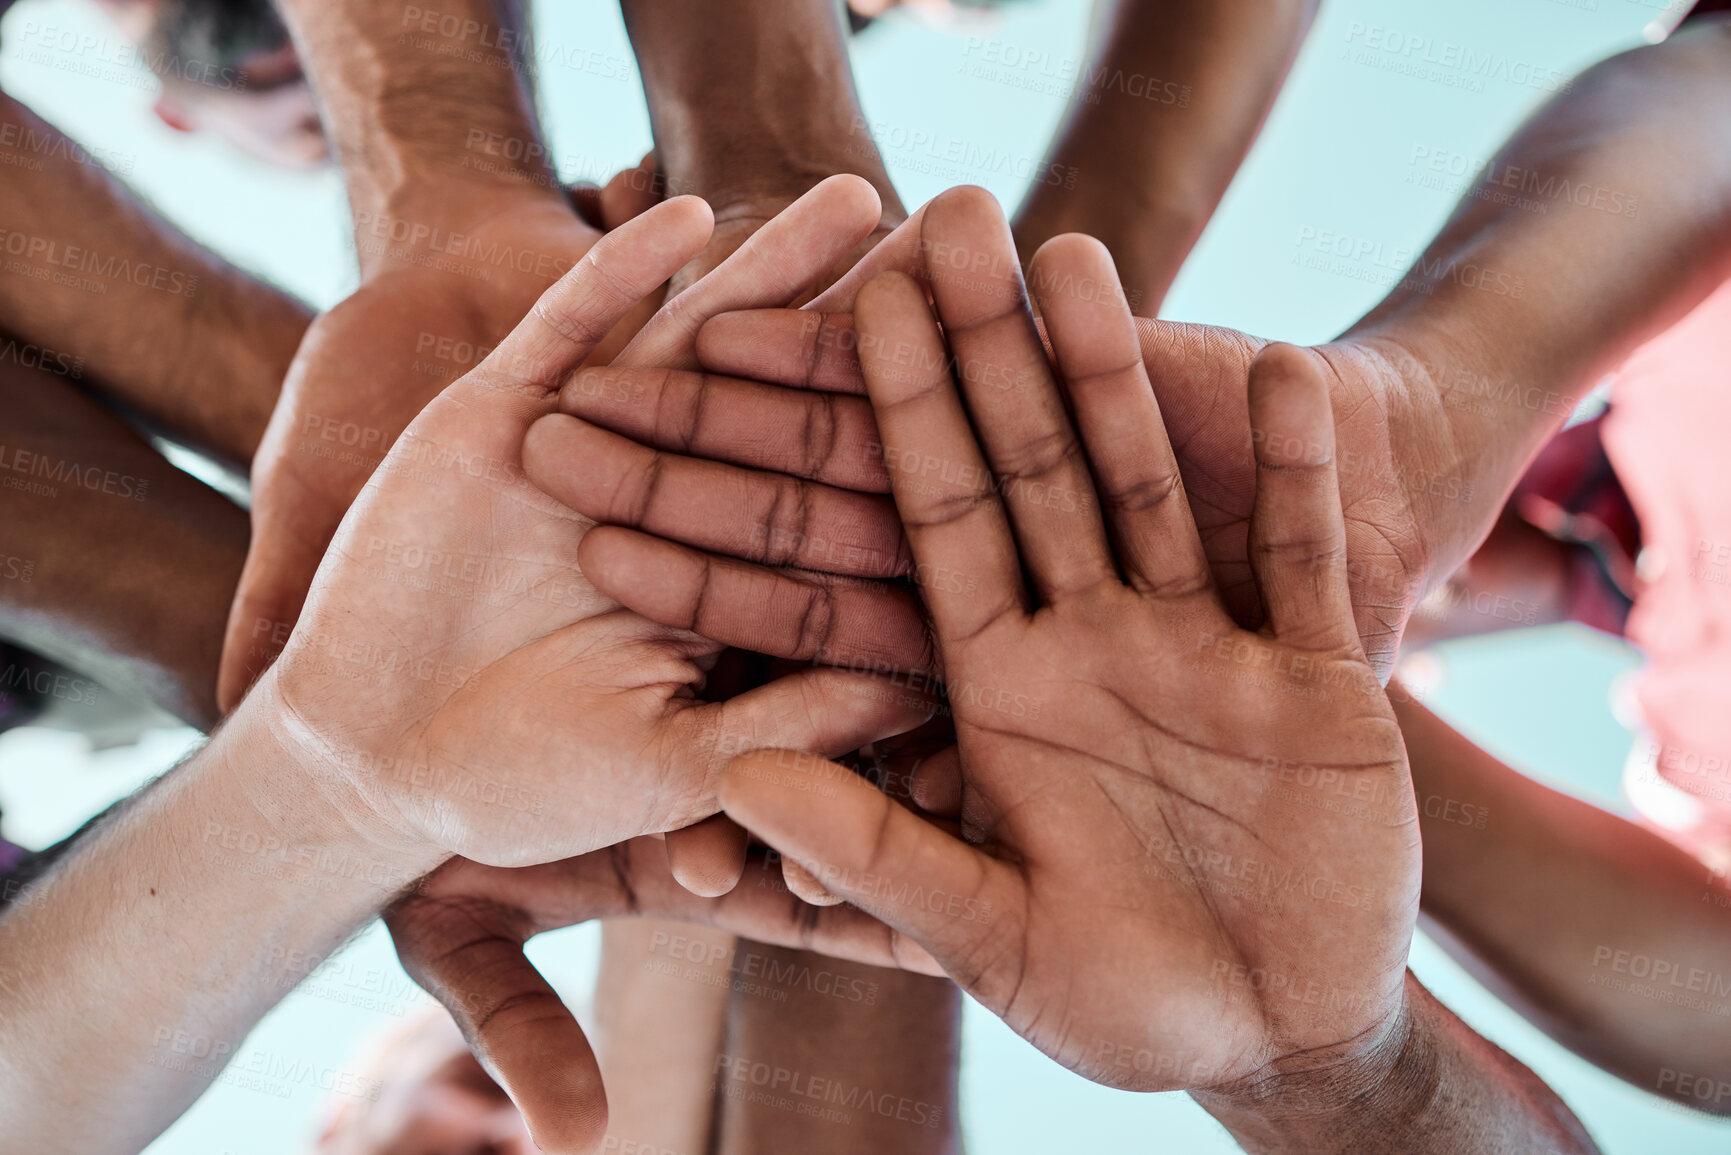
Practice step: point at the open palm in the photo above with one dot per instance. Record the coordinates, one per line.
(450, 620)
(1197, 852)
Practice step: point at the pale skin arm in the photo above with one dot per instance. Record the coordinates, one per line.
(175, 922)
(186, 339)
(660, 1012)
(1550, 900)
(1172, 96)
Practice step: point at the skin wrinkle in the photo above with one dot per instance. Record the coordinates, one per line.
(694, 419)
(819, 431)
(1038, 460)
(818, 647)
(650, 484)
(618, 857)
(962, 503)
(814, 354)
(775, 516)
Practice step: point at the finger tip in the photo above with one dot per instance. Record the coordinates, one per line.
(547, 443)
(684, 214)
(965, 206)
(1073, 247)
(1292, 422)
(804, 885)
(719, 333)
(855, 192)
(708, 879)
(569, 1128)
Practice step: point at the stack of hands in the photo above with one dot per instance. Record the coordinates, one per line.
(1170, 851)
(847, 580)
(1160, 819)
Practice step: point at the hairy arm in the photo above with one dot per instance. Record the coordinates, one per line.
(1167, 105)
(206, 900)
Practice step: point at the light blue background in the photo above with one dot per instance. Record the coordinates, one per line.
(1336, 155)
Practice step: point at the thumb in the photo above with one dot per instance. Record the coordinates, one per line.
(869, 850)
(468, 954)
(826, 709)
(571, 318)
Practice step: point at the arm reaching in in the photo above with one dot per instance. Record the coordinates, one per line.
(1573, 914)
(95, 278)
(1168, 105)
(752, 104)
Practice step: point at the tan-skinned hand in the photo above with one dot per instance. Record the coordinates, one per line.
(1196, 861)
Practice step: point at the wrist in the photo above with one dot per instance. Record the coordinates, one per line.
(742, 176)
(456, 228)
(1463, 424)
(1381, 1086)
(1148, 238)
(308, 821)
(759, 108)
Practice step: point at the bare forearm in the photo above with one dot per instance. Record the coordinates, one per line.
(430, 111)
(1601, 222)
(180, 335)
(135, 971)
(1433, 1086)
(1610, 938)
(1166, 108)
(839, 1057)
(661, 1018)
(115, 562)
(752, 101)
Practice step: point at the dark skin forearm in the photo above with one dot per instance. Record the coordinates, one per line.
(1514, 314)
(858, 1059)
(116, 563)
(1611, 939)
(752, 101)
(1169, 103)
(1433, 1086)
(172, 330)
